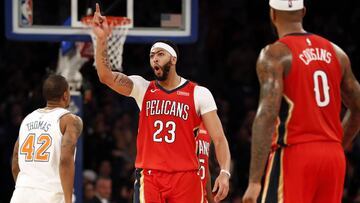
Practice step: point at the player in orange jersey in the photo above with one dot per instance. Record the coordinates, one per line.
(43, 160)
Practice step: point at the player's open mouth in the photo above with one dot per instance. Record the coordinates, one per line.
(156, 68)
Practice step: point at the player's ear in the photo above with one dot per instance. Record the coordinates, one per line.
(173, 60)
(303, 12)
(272, 15)
(66, 95)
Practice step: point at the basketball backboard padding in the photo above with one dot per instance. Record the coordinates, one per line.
(186, 33)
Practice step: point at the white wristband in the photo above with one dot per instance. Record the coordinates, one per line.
(226, 172)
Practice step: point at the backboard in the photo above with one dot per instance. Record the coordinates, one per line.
(58, 20)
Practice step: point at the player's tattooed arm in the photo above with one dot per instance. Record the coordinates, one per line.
(117, 81)
(124, 82)
(15, 161)
(104, 55)
(72, 132)
(72, 126)
(272, 64)
(350, 93)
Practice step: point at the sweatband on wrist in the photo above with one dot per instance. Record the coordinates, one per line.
(226, 172)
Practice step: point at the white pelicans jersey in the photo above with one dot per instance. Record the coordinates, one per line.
(39, 150)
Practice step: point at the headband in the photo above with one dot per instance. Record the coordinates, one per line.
(165, 46)
(287, 5)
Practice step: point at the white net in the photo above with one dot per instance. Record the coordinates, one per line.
(115, 43)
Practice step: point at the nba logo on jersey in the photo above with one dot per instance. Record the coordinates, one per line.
(26, 8)
(290, 3)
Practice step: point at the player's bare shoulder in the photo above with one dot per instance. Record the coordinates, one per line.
(275, 56)
(342, 57)
(350, 88)
(71, 121)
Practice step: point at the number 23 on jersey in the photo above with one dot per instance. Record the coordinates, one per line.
(169, 131)
(36, 150)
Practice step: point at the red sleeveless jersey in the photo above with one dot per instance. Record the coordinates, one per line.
(203, 141)
(167, 124)
(311, 105)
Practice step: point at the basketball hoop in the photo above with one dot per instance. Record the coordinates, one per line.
(115, 42)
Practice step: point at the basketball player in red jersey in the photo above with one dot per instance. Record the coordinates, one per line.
(171, 109)
(308, 77)
(203, 142)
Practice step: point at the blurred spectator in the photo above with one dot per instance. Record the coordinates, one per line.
(89, 176)
(89, 192)
(124, 191)
(105, 169)
(103, 188)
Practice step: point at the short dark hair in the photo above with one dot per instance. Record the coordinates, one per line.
(170, 43)
(54, 87)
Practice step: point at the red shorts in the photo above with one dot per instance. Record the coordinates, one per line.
(305, 173)
(152, 186)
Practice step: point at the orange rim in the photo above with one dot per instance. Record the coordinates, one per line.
(112, 20)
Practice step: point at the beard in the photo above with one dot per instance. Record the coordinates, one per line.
(165, 72)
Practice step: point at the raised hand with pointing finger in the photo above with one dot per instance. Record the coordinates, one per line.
(100, 25)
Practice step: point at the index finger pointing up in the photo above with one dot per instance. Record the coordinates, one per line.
(97, 9)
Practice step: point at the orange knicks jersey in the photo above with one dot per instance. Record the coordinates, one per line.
(167, 124)
(311, 105)
(203, 141)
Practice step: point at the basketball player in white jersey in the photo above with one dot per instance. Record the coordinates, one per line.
(43, 158)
